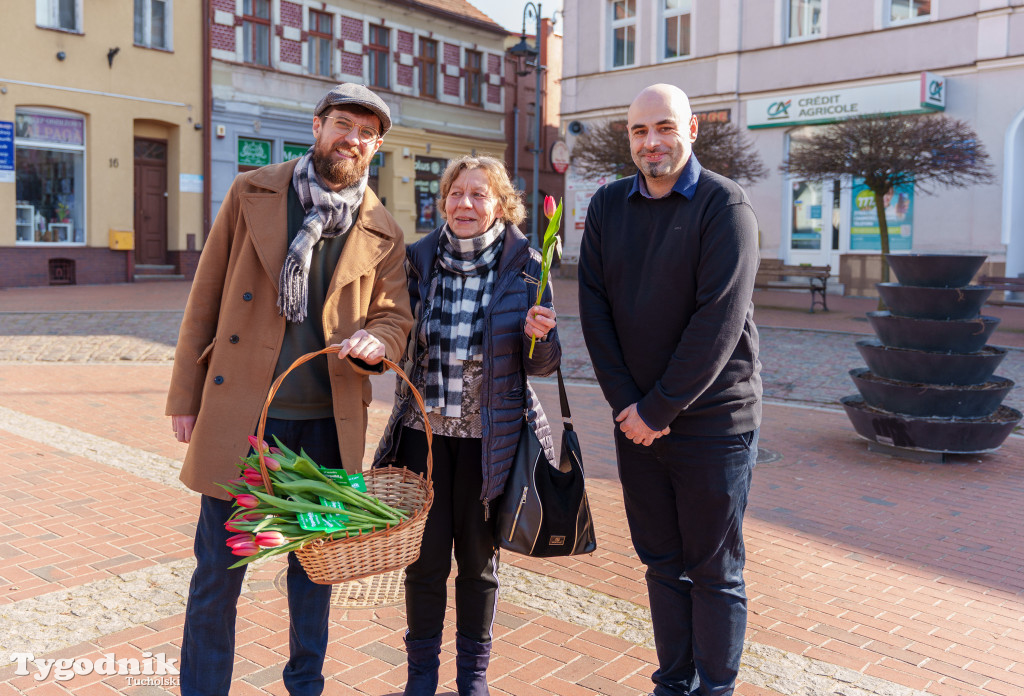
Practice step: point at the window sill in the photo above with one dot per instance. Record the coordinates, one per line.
(153, 48)
(676, 59)
(905, 22)
(48, 245)
(802, 39)
(62, 30)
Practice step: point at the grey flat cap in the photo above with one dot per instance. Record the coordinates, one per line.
(357, 95)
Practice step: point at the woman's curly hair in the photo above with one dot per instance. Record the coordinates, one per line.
(509, 199)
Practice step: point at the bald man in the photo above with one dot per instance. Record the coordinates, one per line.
(666, 276)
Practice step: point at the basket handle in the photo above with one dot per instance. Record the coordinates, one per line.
(326, 351)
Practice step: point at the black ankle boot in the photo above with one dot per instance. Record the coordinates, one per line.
(471, 661)
(423, 660)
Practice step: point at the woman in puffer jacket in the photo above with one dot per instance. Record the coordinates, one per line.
(472, 283)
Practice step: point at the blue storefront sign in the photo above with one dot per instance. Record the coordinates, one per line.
(6, 151)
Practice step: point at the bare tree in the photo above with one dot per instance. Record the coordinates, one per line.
(603, 150)
(927, 151)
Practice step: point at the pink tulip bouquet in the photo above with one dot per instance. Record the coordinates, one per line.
(551, 245)
(308, 503)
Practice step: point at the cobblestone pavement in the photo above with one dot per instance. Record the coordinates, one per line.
(799, 365)
(864, 577)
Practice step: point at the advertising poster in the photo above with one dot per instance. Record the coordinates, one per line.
(427, 187)
(899, 216)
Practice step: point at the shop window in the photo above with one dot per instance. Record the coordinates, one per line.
(59, 14)
(474, 78)
(908, 10)
(676, 15)
(379, 51)
(804, 19)
(49, 164)
(253, 153)
(428, 187)
(256, 31)
(294, 151)
(320, 50)
(428, 68)
(623, 36)
(153, 23)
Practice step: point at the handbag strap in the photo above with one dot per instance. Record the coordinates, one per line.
(564, 400)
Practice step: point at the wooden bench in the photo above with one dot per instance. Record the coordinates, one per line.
(1004, 285)
(773, 274)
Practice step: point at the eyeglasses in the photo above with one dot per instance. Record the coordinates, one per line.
(367, 135)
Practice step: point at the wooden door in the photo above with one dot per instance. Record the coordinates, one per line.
(150, 201)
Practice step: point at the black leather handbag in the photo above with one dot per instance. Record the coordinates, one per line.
(544, 511)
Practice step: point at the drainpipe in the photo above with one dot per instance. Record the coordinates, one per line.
(207, 116)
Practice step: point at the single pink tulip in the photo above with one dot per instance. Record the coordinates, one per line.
(276, 450)
(252, 477)
(270, 539)
(259, 445)
(549, 207)
(247, 500)
(233, 526)
(243, 538)
(272, 463)
(245, 549)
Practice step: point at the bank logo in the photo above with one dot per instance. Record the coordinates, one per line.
(779, 110)
(935, 90)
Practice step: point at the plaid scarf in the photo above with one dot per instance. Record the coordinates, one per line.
(328, 214)
(462, 286)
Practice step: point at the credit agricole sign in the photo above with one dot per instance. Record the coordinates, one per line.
(928, 93)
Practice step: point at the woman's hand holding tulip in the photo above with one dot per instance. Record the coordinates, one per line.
(539, 321)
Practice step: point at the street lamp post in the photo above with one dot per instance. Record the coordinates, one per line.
(525, 51)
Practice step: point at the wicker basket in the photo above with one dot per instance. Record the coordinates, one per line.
(329, 561)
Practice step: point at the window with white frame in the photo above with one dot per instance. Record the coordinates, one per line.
(49, 164)
(803, 19)
(378, 50)
(59, 14)
(623, 36)
(908, 10)
(676, 25)
(153, 23)
(320, 39)
(256, 31)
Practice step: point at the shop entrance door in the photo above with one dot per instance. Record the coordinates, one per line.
(150, 202)
(814, 223)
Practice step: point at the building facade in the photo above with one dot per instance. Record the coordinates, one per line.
(780, 68)
(436, 63)
(521, 98)
(100, 139)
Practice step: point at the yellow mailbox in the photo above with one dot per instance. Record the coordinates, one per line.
(122, 240)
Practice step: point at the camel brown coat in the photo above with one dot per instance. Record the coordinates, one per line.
(231, 334)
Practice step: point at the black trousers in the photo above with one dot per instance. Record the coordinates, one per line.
(456, 519)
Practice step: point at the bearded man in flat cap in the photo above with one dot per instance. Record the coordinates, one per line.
(302, 255)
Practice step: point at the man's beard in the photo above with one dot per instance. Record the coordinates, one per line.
(654, 170)
(342, 172)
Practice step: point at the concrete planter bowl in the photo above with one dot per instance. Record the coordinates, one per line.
(946, 435)
(964, 336)
(935, 270)
(929, 367)
(931, 400)
(923, 302)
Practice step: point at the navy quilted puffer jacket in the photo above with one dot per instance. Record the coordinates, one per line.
(503, 399)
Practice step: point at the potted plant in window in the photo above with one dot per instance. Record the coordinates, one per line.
(63, 212)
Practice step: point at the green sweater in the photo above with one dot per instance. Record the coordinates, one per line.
(305, 393)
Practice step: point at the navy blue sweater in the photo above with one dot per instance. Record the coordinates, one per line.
(665, 303)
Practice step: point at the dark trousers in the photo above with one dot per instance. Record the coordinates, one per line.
(685, 497)
(456, 519)
(208, 646)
